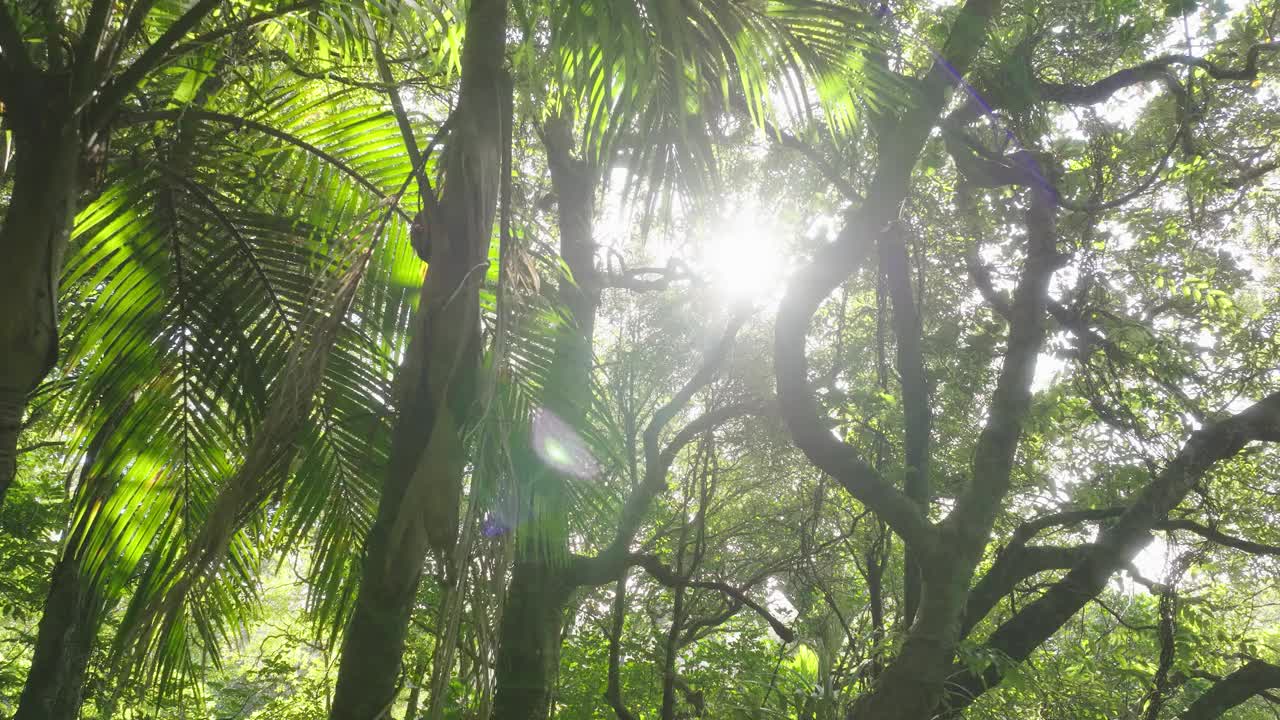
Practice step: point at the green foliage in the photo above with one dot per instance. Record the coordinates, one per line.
(255, 211)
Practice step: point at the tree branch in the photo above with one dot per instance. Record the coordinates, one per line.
(644, 279)
(402, 119)
(909, 360)
(1015, 564)
(1030, 529)
(829, 171)
(799, 403)
(132, 25)
(206, 38)
(613, 559)
(668, 577)
(1251, 679)
(1120, 542)
(1156, 70)
(1213, 535)
(978, 504)
(1018, 562)
(115, 91)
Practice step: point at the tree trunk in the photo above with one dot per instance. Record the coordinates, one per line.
(37, 225)
(418, 508)
(55, 682)
(72, 611)
(911, 686)
(415, 695)
(530, 634)
(1254, 677)
(529, 648)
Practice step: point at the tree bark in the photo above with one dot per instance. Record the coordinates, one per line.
(618, 619)
(37, 226)
(55, 683)
(1232, 690)
(418, 508)
(528, 649)
(73, 609)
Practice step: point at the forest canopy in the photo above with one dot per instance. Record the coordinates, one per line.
(639, 359)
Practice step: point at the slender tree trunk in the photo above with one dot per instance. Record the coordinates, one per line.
(418, 508)
(415, 695)
(529, 638)
(613, 686)
(37, 225)
(529, 643)
(876, 560)
(671, 653)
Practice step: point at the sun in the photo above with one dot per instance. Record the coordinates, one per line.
(743, 257)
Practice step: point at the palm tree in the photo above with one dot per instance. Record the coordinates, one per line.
(200, 282)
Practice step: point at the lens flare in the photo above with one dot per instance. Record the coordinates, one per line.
(560, 447)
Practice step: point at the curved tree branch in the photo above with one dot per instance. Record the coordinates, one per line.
(257, 19)
(669, 578)
(1015, 564)
(1018, 637)
(658, 459)
(1251, 679)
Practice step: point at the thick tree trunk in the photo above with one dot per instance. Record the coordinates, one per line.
(55, 682)
(375, 637)
(418, 508)
(37, 225)
(911, 686)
